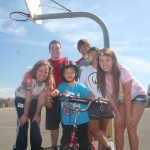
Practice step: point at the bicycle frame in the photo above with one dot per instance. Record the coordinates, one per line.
(73, 144)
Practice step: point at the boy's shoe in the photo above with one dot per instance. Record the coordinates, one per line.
(54, 148)
(41, 148)
(92, 147)
(111, 146)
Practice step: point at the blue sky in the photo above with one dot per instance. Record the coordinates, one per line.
(24, 43)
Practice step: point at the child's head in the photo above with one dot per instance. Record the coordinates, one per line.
(69, 72)
(107, 60)
(108, 64)
(83, 46)
(42, 71)
(93, 55)
(55, 49)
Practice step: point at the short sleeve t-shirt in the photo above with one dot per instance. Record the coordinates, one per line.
(82, 63)
(126, 75)
(32, 85)
(56, 66)
(76, 90)
(89, 78)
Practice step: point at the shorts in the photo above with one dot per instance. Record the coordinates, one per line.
(139, 99)
(100, 110)
(53, 115)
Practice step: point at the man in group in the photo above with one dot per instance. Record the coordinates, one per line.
(83, 46)
(53, 116)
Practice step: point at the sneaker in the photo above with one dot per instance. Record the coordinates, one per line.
(92, 147)
(54, 148)
(111, 146)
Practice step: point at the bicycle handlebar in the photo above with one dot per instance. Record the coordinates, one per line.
(78, 100)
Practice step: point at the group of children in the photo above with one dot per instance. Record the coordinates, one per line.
(101, 76)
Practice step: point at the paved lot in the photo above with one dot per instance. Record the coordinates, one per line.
(8, 128)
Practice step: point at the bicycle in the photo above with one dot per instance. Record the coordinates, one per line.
(73, 144)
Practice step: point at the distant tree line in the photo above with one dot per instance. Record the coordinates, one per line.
(6, 102)
(148, 91)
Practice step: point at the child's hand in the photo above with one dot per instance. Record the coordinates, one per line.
(37, 119)
(91, 96)
(55, 93)
(104, 100)
(23, 119)
(130, 122)
(49, 102)
(118, 120)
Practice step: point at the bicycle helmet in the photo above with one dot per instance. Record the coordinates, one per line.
(70, 65)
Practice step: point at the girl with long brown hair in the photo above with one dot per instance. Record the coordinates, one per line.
(117, 83)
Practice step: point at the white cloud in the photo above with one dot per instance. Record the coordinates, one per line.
(91, 36)
(10, 27)
(70, 25)
(59, 26)
(7, 25)
(16, 29)
(28, 68)
(5, 89)
(75, 29)
(7, 92)
(136, 64)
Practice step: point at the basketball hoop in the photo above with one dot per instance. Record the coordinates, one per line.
(20, 16)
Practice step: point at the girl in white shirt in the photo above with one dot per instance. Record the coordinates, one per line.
(35, 86)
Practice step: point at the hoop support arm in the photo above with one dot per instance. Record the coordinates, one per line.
(77, 15)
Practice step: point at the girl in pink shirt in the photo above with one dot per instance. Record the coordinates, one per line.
(117, 83)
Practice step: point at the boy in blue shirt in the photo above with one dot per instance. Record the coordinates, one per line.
(74, 89)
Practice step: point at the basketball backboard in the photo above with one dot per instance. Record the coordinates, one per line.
(34, 8)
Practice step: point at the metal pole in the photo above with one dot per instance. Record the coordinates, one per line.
(77, 15)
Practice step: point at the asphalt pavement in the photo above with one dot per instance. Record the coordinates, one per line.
(8, 131)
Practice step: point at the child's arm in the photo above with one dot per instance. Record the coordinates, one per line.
(49, 101)
(24, 117)
(41, 100)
